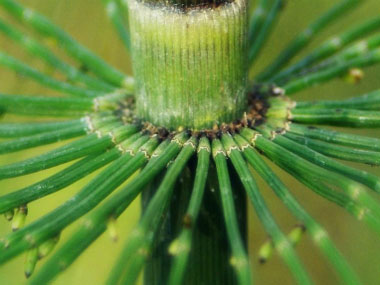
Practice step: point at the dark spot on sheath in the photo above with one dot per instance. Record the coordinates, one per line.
(262, 260)
(187, 221)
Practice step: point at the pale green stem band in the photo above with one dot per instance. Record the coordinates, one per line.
(190, 64)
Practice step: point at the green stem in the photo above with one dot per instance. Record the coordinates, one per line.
(207, 47)
(304, 38)
(331, 72)
(45, 106)
(16, 130)
(370, 101)
(280, 241)
(144, 236)
(24, 69)
(180, 247)
(343, 153)
(88, 145)
(318, 234)
(338, 138)
(37, 49)
(258, 43)
(257, 20)
(330, 47)
(337, 117)
(115, 13)
(41, 139)
(76, 50)
(96, 223)
(239, 259)
(202, 250)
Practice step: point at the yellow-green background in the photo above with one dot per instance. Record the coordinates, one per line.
(86, 21)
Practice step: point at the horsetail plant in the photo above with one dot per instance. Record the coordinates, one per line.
(187, 131)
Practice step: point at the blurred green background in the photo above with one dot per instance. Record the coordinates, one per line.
(86, 21)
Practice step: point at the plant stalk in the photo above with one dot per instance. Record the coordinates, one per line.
(190, 67)
(189, 62)
(209, 260)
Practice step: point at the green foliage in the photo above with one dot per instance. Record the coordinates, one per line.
(97, 107)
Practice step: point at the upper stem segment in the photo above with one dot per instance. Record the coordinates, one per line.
(189, 62)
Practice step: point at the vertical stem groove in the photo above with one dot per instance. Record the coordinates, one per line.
(189, 65)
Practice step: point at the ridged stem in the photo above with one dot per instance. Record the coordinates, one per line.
(189, 64)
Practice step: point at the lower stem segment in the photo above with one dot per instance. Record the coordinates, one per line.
(189, 63)
(209, 260)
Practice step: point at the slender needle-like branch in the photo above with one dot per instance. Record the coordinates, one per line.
(97, 222)
(42, 139)
(17, 130)
(76, 50)
(263, 34)
(65, 177)
(330, 47)
(139, 244)
(26, 70)
(180, 247)
(304, 38)
(79, 148)
(318, 234)
(370, 101)
(280, 241)
(239, 259)
(115, 13)
(340, 152)
(257, 19)
(331, 72)
(41, 51)
(335, 137)
(85, 200)
(45, 106)
(337, 117)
